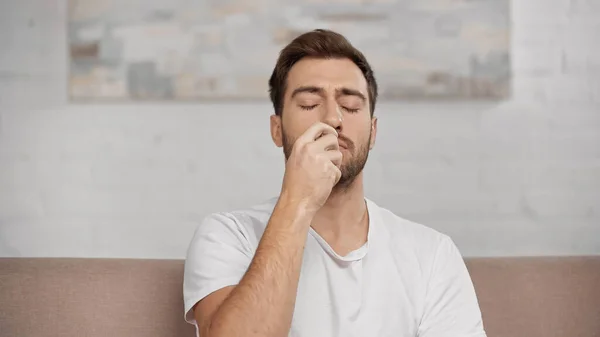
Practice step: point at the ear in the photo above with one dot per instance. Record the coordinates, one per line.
(373, 132)
(276, 132)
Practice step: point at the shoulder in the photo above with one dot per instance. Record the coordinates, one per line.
(410, 237)
(221, 251)
(407, 230)
(245, 225)
(255, 217)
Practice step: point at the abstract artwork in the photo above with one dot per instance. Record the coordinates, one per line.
(131, 50)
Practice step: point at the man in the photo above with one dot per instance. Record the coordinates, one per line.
(321, 260)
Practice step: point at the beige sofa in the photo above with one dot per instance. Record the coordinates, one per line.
(519, 297)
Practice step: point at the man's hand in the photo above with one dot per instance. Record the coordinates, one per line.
(313, 168)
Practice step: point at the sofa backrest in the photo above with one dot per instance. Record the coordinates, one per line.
(538, 296)
(39, 297)
(91, 297)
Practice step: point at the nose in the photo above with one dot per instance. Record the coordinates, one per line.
(333, 116)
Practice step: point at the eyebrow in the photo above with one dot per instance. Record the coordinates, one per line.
(338, 92)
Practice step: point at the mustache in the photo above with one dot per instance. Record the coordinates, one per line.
(346, 141)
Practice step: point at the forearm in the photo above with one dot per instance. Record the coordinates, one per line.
(262, 304)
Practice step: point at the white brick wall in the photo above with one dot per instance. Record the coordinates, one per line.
(514, 178)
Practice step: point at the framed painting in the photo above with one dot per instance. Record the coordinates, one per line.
(131, 50)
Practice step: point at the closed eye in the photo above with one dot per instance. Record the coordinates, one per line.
(308, 107)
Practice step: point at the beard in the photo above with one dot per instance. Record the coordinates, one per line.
(351, 167)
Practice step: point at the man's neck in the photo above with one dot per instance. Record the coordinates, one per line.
(344, 214)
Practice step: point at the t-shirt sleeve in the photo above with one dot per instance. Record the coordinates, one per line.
(451, 306)
(218, 256)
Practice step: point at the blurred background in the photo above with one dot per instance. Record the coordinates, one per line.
(112, 147)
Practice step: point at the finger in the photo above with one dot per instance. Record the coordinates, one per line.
(335, 157)
(338, 174)
(315, 131)
(327, 142)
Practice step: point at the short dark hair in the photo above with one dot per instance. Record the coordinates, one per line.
(319, 43)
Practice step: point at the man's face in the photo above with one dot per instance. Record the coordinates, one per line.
(332, 91)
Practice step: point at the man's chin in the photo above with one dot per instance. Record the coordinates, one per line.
(345, 181)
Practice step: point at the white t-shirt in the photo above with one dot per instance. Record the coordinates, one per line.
(407, 281)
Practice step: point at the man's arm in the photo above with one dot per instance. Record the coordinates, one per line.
(263, 302)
